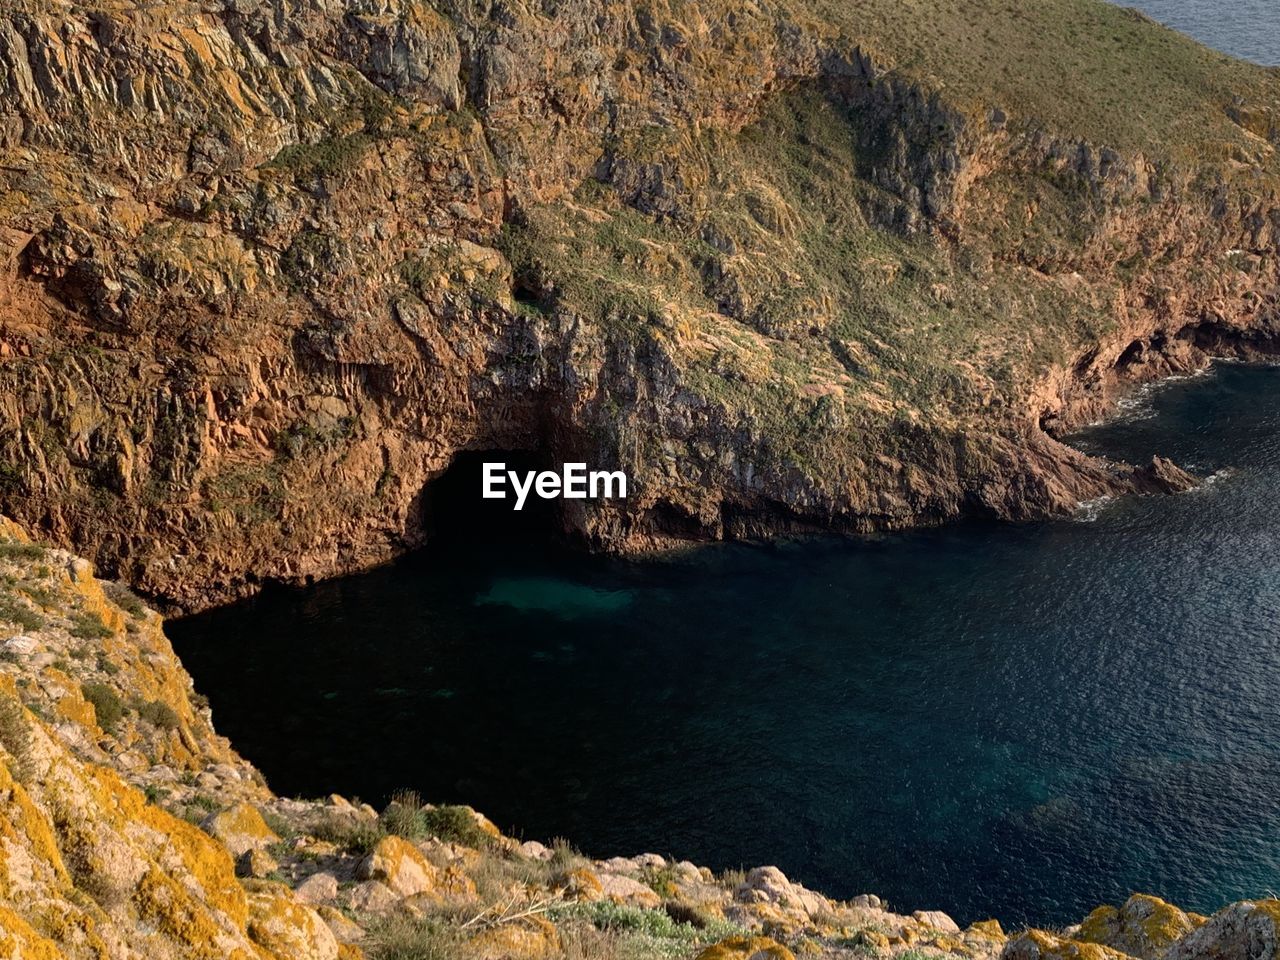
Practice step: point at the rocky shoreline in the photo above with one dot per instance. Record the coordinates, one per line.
(129, 828)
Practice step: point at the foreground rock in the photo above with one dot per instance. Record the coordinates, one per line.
(108, 762)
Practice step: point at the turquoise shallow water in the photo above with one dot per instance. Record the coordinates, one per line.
(1022, 721)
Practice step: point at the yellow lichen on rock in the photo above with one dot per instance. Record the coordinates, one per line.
(27, 833)
(401, 866)
(990, 929)
(240, 828)
(746, 948)
(190, 853)
(286, 928)
(1042, 945)
(18, 941)
(583, 885)
(530, 939)
(1144, 926)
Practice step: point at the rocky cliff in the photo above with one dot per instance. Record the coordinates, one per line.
(268, 266)
(129, 830)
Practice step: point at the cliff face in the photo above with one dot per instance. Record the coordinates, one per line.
(268, 265)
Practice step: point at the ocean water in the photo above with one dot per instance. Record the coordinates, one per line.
(1242, 28)
(1021, 721)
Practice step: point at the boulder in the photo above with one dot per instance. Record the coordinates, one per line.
(688, 872)
(240, 827)
(285, 928)
(746, 948)
(256, 863)
(937, 919)
(582, 885)
(401, 866)
(531, 939)
(631, 892)
(534, 850)
(1144, 927)
(770, 885)
(987, 929)
(372, 896)
(343, 927)
(318, 888)
(1040, 945)
(1162, 476)
(1243, 931)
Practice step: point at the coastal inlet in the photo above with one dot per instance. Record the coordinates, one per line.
(1018, 720)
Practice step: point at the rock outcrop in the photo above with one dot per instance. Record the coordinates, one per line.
(121, 814)
(267, 267)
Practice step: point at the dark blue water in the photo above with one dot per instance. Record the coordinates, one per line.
(1020, 721)
(1242, 28)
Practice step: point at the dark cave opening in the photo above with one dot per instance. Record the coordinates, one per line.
(525, 294)
(455, 511)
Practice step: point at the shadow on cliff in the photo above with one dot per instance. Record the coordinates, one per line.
(455, 514)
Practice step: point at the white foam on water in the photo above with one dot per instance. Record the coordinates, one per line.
(1088, 511)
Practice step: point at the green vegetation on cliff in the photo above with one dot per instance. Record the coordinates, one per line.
(1083, 69)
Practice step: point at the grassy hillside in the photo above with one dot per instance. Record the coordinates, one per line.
(1084, 68)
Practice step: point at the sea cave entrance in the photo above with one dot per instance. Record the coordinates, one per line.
(455, 512)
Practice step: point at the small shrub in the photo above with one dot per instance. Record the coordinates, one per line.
(14, 611)
(88, 626)
(125, 599)
(15, 736)
(160, 715)
(410, 938)
(12, 550)
(353, 834)
(407, 817)
(281, 827)
(607, 915)
(107, 705)
(661, 880)
(457, 824)
(564, 855)
(42, 595)
(404, 819)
